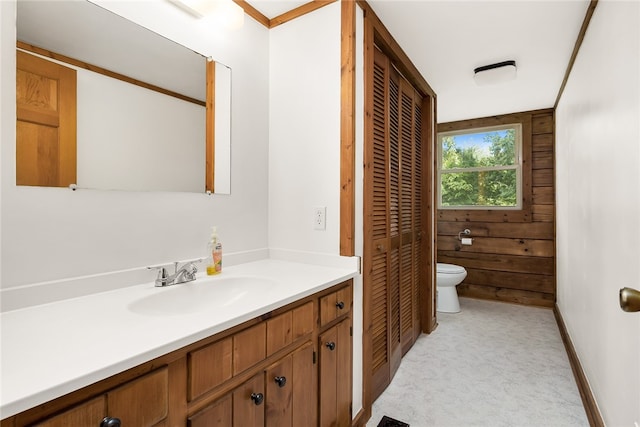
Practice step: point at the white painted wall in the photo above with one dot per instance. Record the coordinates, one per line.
(304, 146)
(285, 161)
(304, 131)
(598, 207)
(50, 234)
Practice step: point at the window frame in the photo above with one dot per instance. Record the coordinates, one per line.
(518, 166)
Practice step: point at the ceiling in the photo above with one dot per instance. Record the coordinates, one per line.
(447, 39)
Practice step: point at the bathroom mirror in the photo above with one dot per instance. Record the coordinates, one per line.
(147, 132)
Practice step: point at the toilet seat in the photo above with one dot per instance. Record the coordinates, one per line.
(449, 268)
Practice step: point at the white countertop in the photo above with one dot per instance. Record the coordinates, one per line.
(52, 349)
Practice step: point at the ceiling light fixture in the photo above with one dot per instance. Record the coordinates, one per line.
(225, 12)
(495, 73)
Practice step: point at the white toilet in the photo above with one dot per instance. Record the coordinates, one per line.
(447, 277)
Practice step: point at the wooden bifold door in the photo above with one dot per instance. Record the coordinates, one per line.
(394, 256)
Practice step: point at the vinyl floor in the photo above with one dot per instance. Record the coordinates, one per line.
(491, 365)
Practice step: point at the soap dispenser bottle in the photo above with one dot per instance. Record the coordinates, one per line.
(215, 267)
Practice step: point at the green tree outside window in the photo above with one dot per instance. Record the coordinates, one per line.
(480, 168)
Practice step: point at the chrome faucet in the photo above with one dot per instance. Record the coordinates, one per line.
(186, 273)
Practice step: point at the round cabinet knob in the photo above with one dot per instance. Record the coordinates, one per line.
(257, 398)
(331, 345)
(340, 305)
(281, 381)
(110, 422)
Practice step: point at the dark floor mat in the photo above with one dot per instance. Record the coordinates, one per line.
(390, 422)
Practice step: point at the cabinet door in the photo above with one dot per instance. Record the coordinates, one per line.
(305, 387)
(335, 375)
(217, 415)
(291, 390)
(279, 382)
(248, 403)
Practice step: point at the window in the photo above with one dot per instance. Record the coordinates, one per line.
(480, 168)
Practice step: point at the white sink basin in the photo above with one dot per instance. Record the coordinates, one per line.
(199, 295)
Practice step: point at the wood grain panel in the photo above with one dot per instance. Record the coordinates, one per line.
(209, 367)
(125, 402)
(504, 279)
(542, 123)
(245, 412)
(472, 216)
(303, 321)
(512, 257)
(305, 389)
(498, 262)
(347, 127)
(491, 245)
(487, 229)
(542, 160)
(278, 399)
(543, 213)
(543, 196)
(279, 332)
(249, 347)
(220, 414)
(210, 127)
(542, 177)
(507, 295)
(328, 377)
(542, 142)
(87, 414)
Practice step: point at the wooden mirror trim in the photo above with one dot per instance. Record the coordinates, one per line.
(210, 153)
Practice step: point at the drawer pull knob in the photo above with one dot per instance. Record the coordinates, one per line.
(331, 345)
(340, 305)
(110, 422)
(257, 398)
(281, 381)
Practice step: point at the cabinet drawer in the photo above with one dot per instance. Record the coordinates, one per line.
(87, 414)
(142, 402)
(335, 305)
(209, 367)
(249, 347)
(285, 328)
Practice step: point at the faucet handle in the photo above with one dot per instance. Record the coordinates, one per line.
(161, 279)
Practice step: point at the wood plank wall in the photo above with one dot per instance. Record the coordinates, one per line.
(512, 257)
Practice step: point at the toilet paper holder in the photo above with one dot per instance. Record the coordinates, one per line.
(465, 240)
(466, 232)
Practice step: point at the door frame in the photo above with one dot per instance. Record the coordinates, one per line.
(375, 33)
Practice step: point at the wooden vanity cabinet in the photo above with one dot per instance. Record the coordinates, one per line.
(281, 395)
(141, 402)
(335, 375)
(288, 368)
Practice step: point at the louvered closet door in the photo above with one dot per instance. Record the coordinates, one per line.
(410, 210)
(381, 199)
(419, 213)
(393, 186)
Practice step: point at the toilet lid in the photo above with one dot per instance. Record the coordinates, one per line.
(449, 268)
